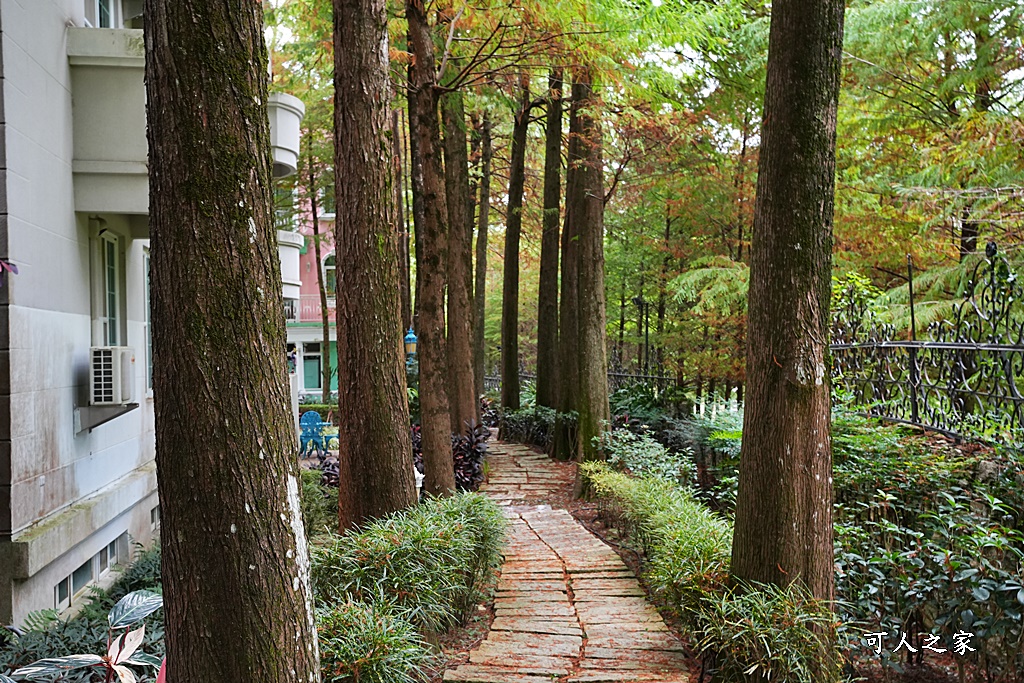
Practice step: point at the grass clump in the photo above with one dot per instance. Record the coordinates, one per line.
(741, 629)
(428, 564)
(368, 643)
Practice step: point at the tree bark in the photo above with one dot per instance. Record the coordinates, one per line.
(462, 403)
(374, 443)
(480, 289)
(510, 281)
(547, 295)
(431, 258)
(594, 413)
(783, 531)
(225, 439)
(566, 445)
(402, 224)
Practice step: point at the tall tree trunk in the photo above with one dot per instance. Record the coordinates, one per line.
(547, 295)
(416, 192)
(462, 404)
(373, 436)
(325, 314)
(510, 281)
(431, 258)
(738, 182)
(480, 289)
(783, 530)
(666, 260)
(622, 324)
(566, 444)
(402, 225)
(225, 439)
(594, 413)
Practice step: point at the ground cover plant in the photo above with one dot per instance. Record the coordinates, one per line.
(739, 630)
(385, 591)
(45, 636)
(927, 531)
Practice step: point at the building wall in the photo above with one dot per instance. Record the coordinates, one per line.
(65, 494)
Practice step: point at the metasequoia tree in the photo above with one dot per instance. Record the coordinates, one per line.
(783, 531)
(373, 434)
(565, 438)
(510, 281)
(547, 296)
(592, 405)
(480, 285)
(462, 397)
(237, 598)
(431, 254)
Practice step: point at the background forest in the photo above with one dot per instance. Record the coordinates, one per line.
(929, 153)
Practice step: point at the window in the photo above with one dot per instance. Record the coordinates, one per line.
(62, 594)
(330, 275)
(70, 588)
(154, 518)
(312, 374)
(103, 13)
(149, 328)
(111, 267)
(82, 576)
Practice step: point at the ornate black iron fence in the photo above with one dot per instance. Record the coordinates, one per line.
(965, 379)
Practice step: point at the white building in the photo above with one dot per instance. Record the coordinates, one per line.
(77, 481)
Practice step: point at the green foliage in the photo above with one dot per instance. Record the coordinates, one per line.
(534, 425)
(429, 563)
(639, 454)
(319, 505)
(143, 574)
(779, 633)
(368, 643)
(55, 652)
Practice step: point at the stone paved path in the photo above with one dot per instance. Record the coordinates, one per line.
(567, 608)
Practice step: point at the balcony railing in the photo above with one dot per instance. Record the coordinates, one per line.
(308, 309)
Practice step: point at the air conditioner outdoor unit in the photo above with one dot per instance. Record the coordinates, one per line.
(111, 375)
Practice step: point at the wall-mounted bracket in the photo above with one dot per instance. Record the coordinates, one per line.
(90, 417)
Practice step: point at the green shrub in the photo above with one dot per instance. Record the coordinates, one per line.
(319, 505)
(429, 563)
(534, 425)
(780, 634)
(87, 631)
(367, 643)
(641, 455)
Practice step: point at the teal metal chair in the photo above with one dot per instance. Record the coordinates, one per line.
(311, 435)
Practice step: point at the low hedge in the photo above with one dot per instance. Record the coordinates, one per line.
(383, 591)
(741, 630)
(327, 411)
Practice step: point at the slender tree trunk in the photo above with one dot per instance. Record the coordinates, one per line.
(741, 200)
(402, 226)
(622, 324)
(566, 444)
(783, 529)
(431, 259)
(480, 290)
(462, 404)
(325, 316)
(547, 296)
(593, 393)
(666, 260)
(416, 192)
(373, 436)
(510, 282)
(226, 442)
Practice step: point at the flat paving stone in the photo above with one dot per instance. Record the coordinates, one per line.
(558, 583)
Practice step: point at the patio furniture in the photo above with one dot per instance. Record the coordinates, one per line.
(311, 435)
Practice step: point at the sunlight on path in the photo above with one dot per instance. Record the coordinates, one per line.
(567, 608)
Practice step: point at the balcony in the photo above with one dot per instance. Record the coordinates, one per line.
(108, 91)
(309, 310)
